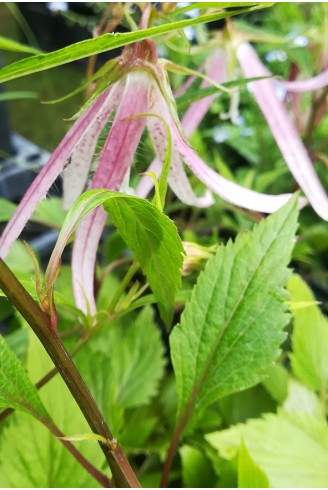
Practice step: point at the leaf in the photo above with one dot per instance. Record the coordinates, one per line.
(123, 367)
(18, 95)
(150, 234)
(197, 471)
(11, 45)
(310, 338)
(16, 389)
(231, 329)
(30, 456)
(301, 399)
(104, 43)
(249, 474)
(7, 208)
(292, 450)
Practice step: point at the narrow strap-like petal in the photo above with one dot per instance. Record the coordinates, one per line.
(216, 69)
(42, 183)
(314, 83)
(177, 179)
(285, 134)
(115, 160)
(228, 190)
(76, 174)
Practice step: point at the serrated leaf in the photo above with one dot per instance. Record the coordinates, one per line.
(197, 471)
(16, 389)
(104, 43)
(123, 367)
(32, 457)
(150, 234)
(249, 474)
(231, 329)
(291, 449)
(310, 338)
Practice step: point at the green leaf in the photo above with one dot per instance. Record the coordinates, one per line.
(310, 338)
(249, 474)
(30, 456)
(7, 208)
(16, 389)
(104, 43)
(150, 234)
(231, 329)
(291, 449)
(123, 367)
(11, 45)
(197, 471)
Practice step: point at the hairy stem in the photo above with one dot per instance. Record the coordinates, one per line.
(122, 473)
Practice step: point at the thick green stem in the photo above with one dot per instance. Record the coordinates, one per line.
(122, 473)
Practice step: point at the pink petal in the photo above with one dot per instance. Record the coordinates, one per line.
(177, 178)
(76, 174)
(40, 186)
(314, 83)
(285, 134)
(215, 67)
(115, 160)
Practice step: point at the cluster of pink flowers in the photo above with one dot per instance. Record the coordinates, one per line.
(139, 93)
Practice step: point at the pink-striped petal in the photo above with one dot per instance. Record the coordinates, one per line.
(314, 83)
(285, 134)
(177, 179)
(115, 160)
(40, 186)
(76, 174)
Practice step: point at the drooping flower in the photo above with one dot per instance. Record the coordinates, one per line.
(140, 87)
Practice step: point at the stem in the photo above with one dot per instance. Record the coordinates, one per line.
(100, 477)
(312, 119)
(128, 276)
(122, 473)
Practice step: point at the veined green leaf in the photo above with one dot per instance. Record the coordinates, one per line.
(32, 457)
(11, 45)
(150, 234)
(123, 366)
(231, 329)
(249, 474)
(16, 389)
(104, 43)
(310, 338)
(291, 449)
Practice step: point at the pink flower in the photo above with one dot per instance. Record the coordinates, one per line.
(141, 87)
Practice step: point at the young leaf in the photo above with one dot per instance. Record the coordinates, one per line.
(150, 234)
(310, 338)
(231, 329)
(106, 42)
(16, 389)
(123, 366)
(291, 449)
(197, 471)
(30, 456)
(249, 474)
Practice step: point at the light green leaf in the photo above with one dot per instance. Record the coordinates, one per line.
(50, 213)
(18, 95)
(249, 474)
(7, 208)
(123, 367)
(16, 389)
(291, 449)
(197, 471)
(30, 456)
(301, 399)
(11, 45)
(150, 234)
(231, 329)
(104, 43)
(310, 338)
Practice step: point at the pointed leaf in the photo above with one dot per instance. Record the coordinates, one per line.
(310, 338)
(249, 474)
(16, 389)
(231, 329)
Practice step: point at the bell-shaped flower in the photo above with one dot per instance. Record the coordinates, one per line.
(141, 96)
